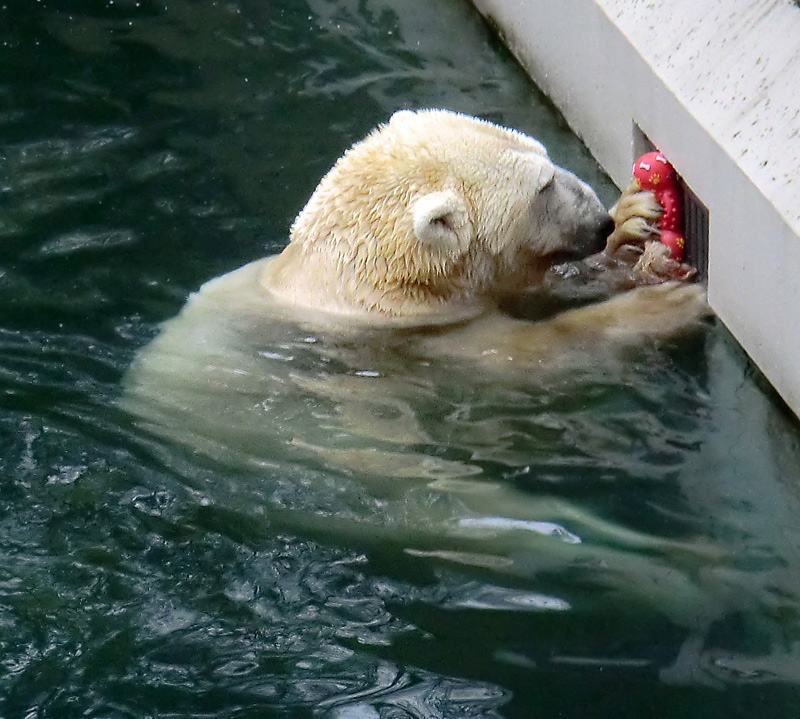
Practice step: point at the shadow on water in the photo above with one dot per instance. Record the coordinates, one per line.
(145, 571)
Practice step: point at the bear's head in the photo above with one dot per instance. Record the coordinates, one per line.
(436, 210)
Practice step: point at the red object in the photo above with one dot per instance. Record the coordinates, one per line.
(675, 242)
(653, 172)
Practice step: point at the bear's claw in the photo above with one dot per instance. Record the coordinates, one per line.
(634, 216)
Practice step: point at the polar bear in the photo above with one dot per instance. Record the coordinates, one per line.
(435, 219)
(339, 376)
(418, 235)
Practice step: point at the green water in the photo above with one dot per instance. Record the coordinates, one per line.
(148, 146)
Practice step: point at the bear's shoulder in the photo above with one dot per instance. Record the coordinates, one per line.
(258, 288)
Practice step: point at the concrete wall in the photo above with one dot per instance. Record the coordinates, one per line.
(716, 86)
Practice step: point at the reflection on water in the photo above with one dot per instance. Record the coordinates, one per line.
(618, 537)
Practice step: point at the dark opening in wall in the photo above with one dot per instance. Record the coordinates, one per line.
(695, 213)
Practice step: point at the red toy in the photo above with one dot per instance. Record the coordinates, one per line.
(653, 172)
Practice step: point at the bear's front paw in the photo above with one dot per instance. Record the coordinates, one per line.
(634, 215)
(658, 310)
(655, 264)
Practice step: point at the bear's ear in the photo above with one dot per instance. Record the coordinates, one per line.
(441, 221)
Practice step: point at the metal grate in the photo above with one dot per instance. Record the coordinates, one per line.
(695, 230)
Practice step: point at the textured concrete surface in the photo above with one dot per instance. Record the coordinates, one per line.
(716, 86)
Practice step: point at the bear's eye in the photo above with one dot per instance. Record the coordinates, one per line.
(546, 178)
(548, 183)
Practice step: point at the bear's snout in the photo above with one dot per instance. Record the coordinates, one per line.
(591, 237)
(584, 224)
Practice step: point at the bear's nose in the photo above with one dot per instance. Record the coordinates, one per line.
(605, 228)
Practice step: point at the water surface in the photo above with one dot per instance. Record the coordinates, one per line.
(148, 146)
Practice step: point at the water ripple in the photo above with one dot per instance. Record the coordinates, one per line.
(83, 241)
